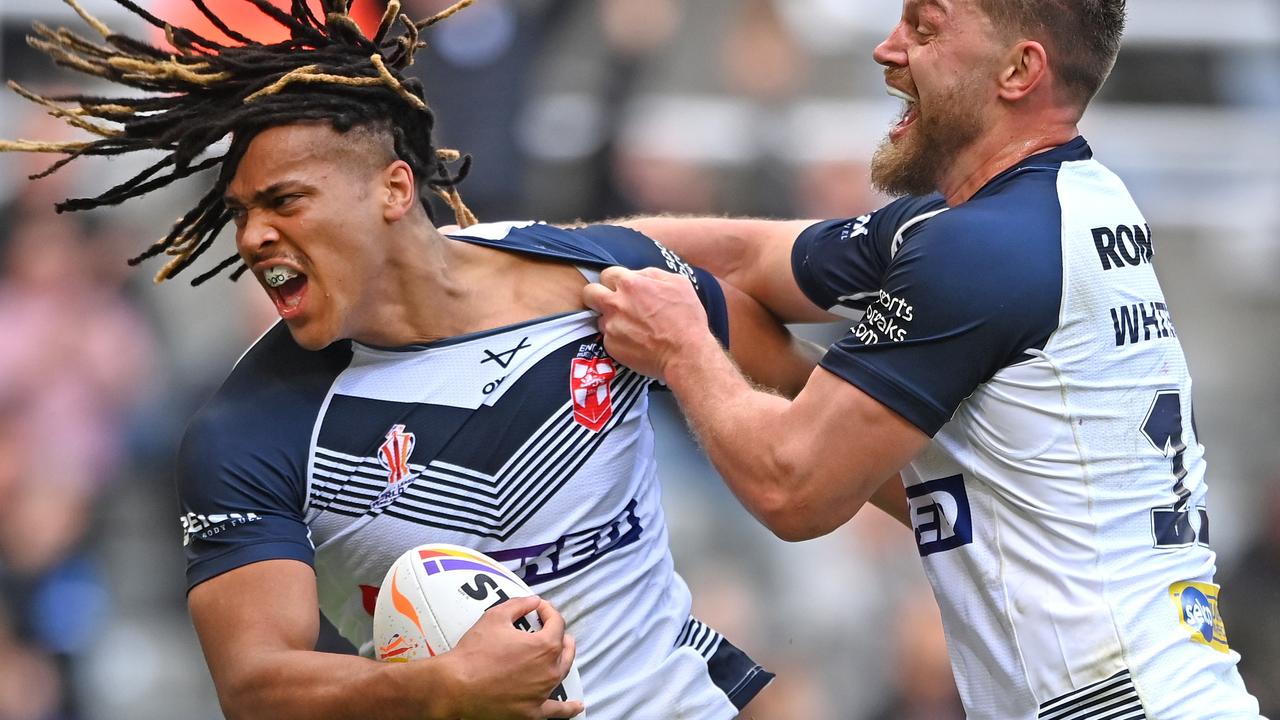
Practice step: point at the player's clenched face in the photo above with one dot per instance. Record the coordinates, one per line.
(940, 59)
(308, 221)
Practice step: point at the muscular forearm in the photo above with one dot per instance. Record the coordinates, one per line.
(322, 686)
(747, 435)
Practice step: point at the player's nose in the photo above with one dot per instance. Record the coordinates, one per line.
(892, 51)
(255, 235)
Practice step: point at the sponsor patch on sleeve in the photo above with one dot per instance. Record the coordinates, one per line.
(1197, 605)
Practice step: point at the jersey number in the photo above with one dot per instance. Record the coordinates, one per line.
(1171, 526)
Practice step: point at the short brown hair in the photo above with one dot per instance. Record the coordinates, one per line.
(1082, 36)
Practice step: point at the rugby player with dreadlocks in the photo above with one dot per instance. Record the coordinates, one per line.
(421, 388)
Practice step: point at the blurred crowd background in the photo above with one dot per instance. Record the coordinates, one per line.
(591, 109)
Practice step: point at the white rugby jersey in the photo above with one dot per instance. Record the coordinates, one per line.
(1060, 508)
(525, 442)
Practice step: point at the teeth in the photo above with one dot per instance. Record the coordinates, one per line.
(899, 94)
(278, 275)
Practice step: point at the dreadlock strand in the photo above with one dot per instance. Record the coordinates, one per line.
(394, 84)
(70, 116)
(388, 20)
(93, 22)
(168, 70)
(302, 11)
(56, 166)
(311, 74)
(157, 22)
(217, 22)
(139, 185)
(69, 59)
(342, 24)
(40, 146)
(444, 14)
(298, 29)
(461, 213)
(180, 226)
(407, 45)
(70, 40)
(153, 20)
(226, 263)
(142, 49)
(193, 253)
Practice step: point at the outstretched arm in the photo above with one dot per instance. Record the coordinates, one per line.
(258, 626)
(751, 255)
(802, 466)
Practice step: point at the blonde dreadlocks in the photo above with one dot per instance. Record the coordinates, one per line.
(328, 70)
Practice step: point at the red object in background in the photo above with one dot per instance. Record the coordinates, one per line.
(244, 18)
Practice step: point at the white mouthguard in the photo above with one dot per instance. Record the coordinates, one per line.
(278, 275)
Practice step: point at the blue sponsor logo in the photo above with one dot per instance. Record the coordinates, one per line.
(1198, 613)
(940, 514)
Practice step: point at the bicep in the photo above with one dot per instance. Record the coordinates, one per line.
(767, 275)
(246, 614)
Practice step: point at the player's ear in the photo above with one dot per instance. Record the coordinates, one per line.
(399, 191)
(1024, 68)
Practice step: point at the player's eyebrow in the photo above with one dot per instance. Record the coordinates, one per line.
(270, 191)
(943, 6)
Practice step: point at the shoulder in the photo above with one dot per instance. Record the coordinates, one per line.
(595, 246)
(1013, 233)
(272, 396)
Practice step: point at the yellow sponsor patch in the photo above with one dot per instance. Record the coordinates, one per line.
(1197, 605)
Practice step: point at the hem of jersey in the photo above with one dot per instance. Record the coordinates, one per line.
(920, 412)
(756, 679)
(248, 555)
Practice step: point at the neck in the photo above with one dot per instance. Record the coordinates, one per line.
(997, 151)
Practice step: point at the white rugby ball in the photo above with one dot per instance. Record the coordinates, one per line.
(434, 593)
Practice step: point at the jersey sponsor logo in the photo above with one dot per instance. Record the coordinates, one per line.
(506, 357)
(205, 526)
(855, 228)
(1197, 605)
(940, 514)
(1123, 245)
(393, 455)
(675, 264)
(589, 376)
(573, 552)
(888, 318)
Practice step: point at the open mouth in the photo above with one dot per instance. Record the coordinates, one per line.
(287, 288)
(910, 113)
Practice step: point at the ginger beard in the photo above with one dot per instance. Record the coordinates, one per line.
(916, 161)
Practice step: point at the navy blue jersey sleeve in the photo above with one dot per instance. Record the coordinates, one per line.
(635, 250)
(963, 294)
(237, 506)
(840, 263)
(242, 466)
